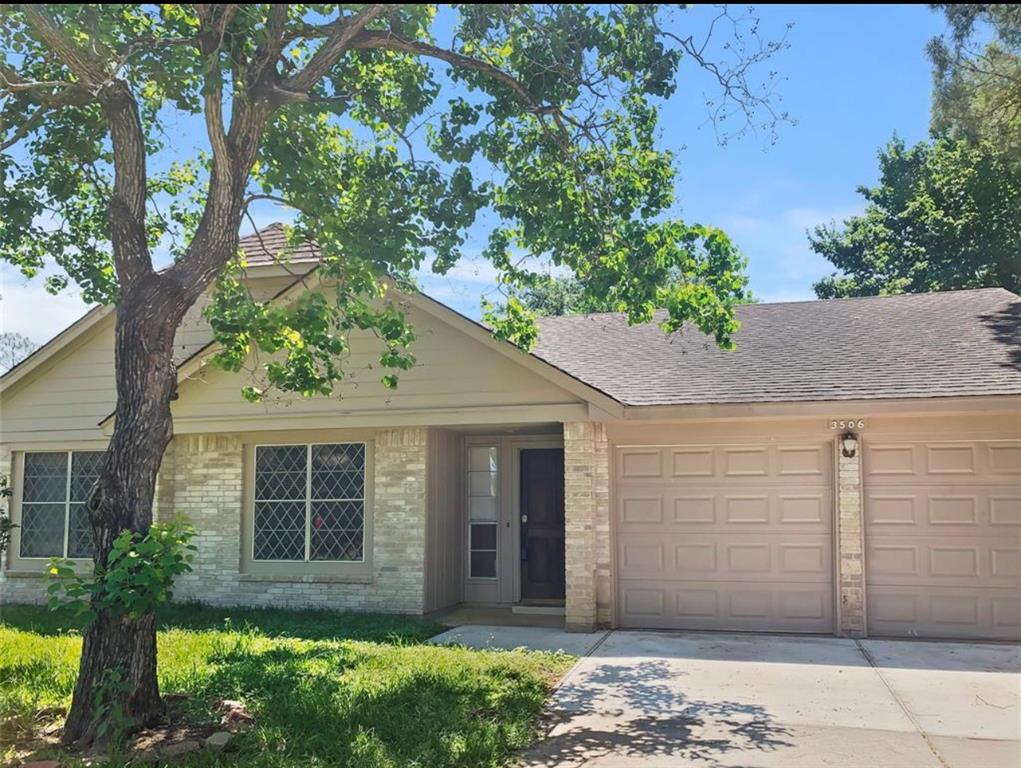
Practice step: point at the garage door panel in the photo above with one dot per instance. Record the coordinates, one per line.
(933, 611)
(1005, 509)
(944, 461)
(763, 606)
(906, 508)
(793, 508)
(735, 557)
(943, 538)
(733, 464)
(962, 562)
(734, 537)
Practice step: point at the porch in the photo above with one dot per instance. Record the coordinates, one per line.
(524, 502)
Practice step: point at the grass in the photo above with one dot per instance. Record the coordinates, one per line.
(326, 689)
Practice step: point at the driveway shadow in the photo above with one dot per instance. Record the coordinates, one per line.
(634, 712)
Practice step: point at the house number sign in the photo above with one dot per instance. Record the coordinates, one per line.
(842, 424)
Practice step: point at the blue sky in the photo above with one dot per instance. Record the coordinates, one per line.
(853, 76)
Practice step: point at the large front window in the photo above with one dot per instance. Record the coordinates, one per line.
(54, 490)
(309, 503)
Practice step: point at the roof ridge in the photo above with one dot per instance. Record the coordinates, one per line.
(905, 295)
(842, 299)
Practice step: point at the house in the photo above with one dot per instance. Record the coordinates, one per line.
(853, 467)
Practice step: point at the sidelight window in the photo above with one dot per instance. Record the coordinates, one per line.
(483, 490)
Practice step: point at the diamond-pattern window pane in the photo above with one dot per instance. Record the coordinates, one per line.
(42, 530)
(79, 533)
(338, 471)
(280, 473)
(45, 478)
(85, 466)
(279, 530)
(337, 530)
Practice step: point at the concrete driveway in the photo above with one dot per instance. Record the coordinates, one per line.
(757, 701)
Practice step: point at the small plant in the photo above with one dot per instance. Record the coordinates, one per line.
(113, 722)
(6, 524)
(137, 577)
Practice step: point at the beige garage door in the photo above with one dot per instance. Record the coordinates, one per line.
(725, 537)
(943, 538)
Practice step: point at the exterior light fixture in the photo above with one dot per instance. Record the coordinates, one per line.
(849, 445)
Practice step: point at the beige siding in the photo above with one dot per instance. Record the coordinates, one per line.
(69, 395)
(67, 398)
(444, 520)
(452, 372)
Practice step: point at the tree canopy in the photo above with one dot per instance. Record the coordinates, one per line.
(977, 71)
(14, 347)
(387, 154)
(136, 139)
(943, 216)
(553, 295)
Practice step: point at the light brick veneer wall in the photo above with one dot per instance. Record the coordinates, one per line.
(850, 545)
(587, 524)
(202, 477)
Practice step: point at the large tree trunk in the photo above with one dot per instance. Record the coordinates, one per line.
(117, 676)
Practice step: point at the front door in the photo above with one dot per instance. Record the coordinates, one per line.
(542, 524)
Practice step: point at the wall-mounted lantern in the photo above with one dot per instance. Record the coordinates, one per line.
(849, 445)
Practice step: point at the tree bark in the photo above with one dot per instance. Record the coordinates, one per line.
(117, 676)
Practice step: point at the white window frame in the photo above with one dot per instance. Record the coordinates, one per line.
(308, 500)
(67, 504)
(495, 522)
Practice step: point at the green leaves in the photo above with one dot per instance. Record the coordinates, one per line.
(138, 575)
(538, 122)
(977, 74)
(943, 217)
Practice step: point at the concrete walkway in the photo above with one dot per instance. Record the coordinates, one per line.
(758, 701)
(491, 637)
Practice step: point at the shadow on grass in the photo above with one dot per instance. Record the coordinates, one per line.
(306, 625)
(337, 705)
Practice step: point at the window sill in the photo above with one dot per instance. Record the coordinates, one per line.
(305, 579)
(23, 574)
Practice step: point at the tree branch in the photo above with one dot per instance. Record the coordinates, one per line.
(83, 64)
(331, 50)
(127, 201)
(371, 39)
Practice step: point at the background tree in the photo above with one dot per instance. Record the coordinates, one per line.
(943, 216)
(14, 348)
(549, 295)
(544, 115)
(977, 72)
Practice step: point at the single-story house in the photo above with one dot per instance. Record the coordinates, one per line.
(854, 467)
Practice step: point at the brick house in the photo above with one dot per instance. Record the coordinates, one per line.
(853, 467)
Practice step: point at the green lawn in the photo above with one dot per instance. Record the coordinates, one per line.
(326, 689)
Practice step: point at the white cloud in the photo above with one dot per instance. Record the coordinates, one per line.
(782, 266)
(26, 307)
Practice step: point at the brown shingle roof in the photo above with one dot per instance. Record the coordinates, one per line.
(959, 343)
(267, 247)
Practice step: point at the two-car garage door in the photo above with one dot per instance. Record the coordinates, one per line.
(740, 537)
(725, 536)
